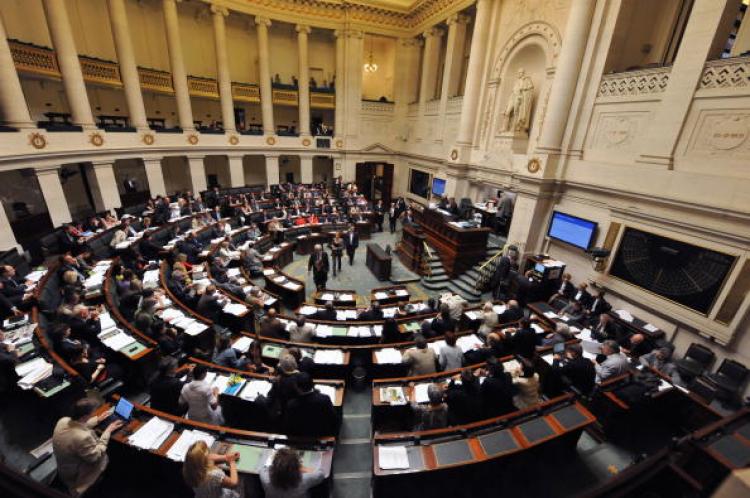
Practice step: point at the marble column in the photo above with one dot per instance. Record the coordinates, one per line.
(306, 169)
(126, 60)
(197, 174)
(67, 59)
(304, 80)
(567, 70)
(338, 126)
(155, 177)
(105, 179)
(406, 81)
(13, 108)
(177, 64)
(222, 68)
(666, 122)
(272, 170)
(7, 237)
(266, 91)
(429, 73)
(353, 89)
(236, 171)
(469, 107)
(54, 197)
(452, 67)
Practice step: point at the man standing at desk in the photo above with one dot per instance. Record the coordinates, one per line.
(352, 243)
(319, 265)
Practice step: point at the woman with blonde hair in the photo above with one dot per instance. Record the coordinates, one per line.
(286, 478)
(489, 320)
(208, 480)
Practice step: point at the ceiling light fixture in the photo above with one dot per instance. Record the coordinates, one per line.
(370, 65)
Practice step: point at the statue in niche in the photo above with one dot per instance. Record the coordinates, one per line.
(517, 114)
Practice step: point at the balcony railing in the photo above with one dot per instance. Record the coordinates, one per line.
(726, 73)
(41, 61)
(638, 82)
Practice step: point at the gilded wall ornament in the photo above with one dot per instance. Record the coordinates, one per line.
(534, 165)
(148, 139)
(271, 140)
(306, 142)
(339, 144)
(234, 139)
(96, 139)
(454, 154)
(192, 139)
(37, 140)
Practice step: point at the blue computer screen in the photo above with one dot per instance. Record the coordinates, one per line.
(571, 229)
(438, 186)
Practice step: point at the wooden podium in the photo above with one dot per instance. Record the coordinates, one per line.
(459, 248)
(411, 249)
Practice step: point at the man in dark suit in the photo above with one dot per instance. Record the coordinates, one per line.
(319, 265)
(10, 287)
(165, 389)
(525, 340)
(512, 313)
(68, 241)
(180, 291)
(599, 305)
(374, 313)
(582, 295)
(351, 242)
(190, 247)
(606, 329)
(574, 369)
(327, 313)
(500, 279)
(496, 392)
(209, 304)
(270, 326)
(310, 414)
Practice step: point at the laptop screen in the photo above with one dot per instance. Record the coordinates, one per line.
(124, 408)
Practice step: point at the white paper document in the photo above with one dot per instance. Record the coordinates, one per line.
(393, 457)
(242, 344)
(180, 447)
(388, 355)
(152, 434)
(329, 357)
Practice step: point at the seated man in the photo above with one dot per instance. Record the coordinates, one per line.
(374, 313)
(611, 362)
(512, 313)
(270, 326)
(420, 360)
(311, 413)
(606, 328)
(210, 303)
(661, 360)
(574, 311)
(327, 313)
(574, 369)
(166, 387)
(81, 454)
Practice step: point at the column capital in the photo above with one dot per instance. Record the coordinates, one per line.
(47, 170)
(104, 163)
(268, 155)
(457, 19)
(349, 33)
(195, 157)
(410, 42)
(434, 31)
(262, 21)
(219, 10)
(302, 28)
(152, 160)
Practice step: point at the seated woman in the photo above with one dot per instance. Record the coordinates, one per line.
(286, 477)
(527, 383)
(489, 320)
(205, 478)
(201, 399)
(255, 359)
(181, 263)
(227, 356)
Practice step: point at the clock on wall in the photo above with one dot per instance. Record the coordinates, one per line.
(684, 273)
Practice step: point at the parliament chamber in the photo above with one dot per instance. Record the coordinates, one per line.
(374, 248)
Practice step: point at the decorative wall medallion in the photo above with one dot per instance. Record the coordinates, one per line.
(148, 139)
(534, 165)
(96, 139)
(192, 139)
(617, 131)
(37, 140)
(306, 142)
(339, 144)
(234, 139)
(271, 140)
(454, 154)
(728, 133)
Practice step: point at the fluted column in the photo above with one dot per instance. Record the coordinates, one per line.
(222, 68)
(266, 91)
(304, 80)
(566, 75)
(7, 237)
(272, 170)
(177, 64)
(429, 73)
(338, 126)
(105, 179)
(236, 171)
(54, 197)
(13, 109)
(155, 177)
(474, 74)
(126, 59)
(306, 169)
(67, 59)
(197, 174)
(406, 79)
(453, 56)
(353, 67)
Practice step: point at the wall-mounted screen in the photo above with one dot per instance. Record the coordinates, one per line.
(419, 183)
(681, 272)
(438, 186)
(571, 230)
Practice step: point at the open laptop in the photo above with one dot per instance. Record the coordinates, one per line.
(123, 411)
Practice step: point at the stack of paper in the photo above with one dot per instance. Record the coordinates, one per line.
(472, 315)
(118, 341)
(329, 391)
(393, 395)
(499, 308)
(268, 271)
(327, 296)
(171, 314)
(151, 279)
(388, 355)
(402, 292)
(152, 434)
(255, 388)
(393, 457)
(195, 328)
(551, 315)
(323, 330)
(420, 393)
(381, 295)
(329, 356)
(292, 286)
(235, 309)
(32, 372)
(511, 366)
(377, 330)
(308, 310)
(585, 335)
(183, 322)
(651, 328)
(188, 437)
(346, 297)
(624, 315)
(106, 322)
(469, 342)
(242, 344)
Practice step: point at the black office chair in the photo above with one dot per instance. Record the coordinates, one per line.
(697, 359)
(703, 390)
(729, 379)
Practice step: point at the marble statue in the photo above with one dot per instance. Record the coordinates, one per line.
(517, 114)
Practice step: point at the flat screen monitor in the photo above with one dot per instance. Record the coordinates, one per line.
(438, 186)
(539, 268)
(572, 230)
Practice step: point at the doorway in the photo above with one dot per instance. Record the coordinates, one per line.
(375, 180)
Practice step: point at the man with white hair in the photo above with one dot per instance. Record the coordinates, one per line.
(611, 362)
(319, 265)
